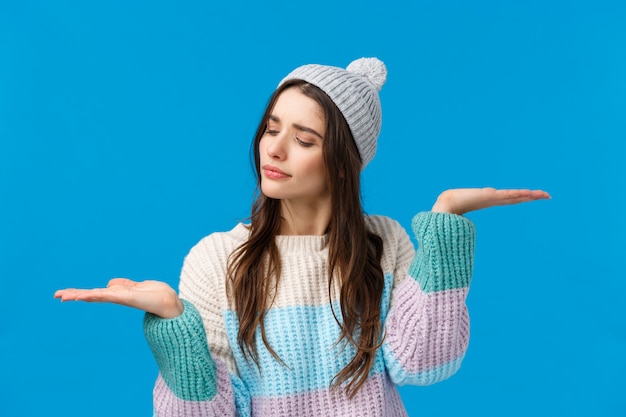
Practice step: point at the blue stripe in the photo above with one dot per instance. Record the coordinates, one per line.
(386, 299)
(305, 339)
(242, 399)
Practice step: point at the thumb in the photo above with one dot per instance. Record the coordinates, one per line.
(121, 281)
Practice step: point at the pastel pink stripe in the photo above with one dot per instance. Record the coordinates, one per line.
(377, 397)
(439, 320)
(166, 404)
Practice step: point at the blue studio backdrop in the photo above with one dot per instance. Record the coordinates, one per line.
(125, 130)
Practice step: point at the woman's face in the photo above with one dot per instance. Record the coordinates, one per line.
(292, 163)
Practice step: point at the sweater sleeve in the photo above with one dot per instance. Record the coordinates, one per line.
(190, 383)
(427, 328)
(197, 373)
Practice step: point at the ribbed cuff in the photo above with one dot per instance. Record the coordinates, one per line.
(180, 348)
(445, 255)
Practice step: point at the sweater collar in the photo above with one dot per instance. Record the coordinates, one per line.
(291, 243)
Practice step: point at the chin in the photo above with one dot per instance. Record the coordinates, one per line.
(270, 193)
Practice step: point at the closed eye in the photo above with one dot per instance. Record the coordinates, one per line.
(302, 143)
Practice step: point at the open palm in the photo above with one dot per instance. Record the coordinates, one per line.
(464, 200)
(152, 296)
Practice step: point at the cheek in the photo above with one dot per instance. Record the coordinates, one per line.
(315, 169)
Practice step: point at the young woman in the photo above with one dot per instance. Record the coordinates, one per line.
(314, 308)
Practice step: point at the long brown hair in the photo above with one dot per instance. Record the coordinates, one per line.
(354, 252)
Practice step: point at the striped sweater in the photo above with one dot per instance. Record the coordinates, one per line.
(202, 370)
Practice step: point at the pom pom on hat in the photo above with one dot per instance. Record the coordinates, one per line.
(371, 68)
(354, 91)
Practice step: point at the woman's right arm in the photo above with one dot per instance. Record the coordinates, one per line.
(191, 381)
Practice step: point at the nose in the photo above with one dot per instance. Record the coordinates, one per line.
(276, 146)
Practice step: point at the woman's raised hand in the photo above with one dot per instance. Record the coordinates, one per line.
(463, 200)
(155, 297)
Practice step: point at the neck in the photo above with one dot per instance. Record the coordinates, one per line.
(304, 219)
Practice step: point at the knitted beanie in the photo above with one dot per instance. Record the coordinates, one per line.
(354, 91)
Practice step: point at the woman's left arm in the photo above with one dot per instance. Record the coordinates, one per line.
(427, 329)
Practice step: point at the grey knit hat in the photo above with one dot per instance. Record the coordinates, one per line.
(354, 91)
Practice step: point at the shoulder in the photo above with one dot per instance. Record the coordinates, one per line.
(394, 236)
(204, 269)
(384, 226)
(398, 250)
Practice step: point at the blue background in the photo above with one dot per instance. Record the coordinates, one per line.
(124, 138)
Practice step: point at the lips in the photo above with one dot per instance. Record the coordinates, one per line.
(274, 172)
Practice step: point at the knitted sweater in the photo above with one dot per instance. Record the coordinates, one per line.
(202, 370)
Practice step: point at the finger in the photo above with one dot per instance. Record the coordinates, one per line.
(540, 194)
(116, 294)
(59, 293)
(86, 295)
(68, 294)
(74, 294)
(521, 195)
(533, 194)
(122, 281)
(514, 200)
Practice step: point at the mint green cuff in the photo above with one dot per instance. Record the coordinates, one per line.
(180, 348)
(445, 254)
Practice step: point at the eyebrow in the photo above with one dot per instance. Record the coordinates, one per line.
(298, 126)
